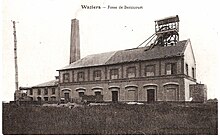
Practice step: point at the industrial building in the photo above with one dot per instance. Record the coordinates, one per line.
(163, 70)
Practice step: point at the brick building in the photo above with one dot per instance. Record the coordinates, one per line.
(141, 74)
(162, 71)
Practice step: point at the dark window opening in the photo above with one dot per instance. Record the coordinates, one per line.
(67, 97)
(45, 91)
(38, 98)
(97, 93)
(39, 92)
(53, 91)
(150, 95)
(45, 98)
(31, 92)
(114, 96)
(193, 72)
(81, 94)
(187, 70)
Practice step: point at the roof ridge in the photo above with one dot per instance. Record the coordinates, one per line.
(99, 53)
(110, 57)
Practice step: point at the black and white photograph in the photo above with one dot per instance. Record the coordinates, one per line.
(107, 67)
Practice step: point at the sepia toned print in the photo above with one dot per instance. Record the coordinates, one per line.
(149, 89)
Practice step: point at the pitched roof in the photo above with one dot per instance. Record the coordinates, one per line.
(129, 55)
(48, 84)
(91, 60)
(140, 54)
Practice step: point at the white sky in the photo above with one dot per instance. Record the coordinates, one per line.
(43, 35)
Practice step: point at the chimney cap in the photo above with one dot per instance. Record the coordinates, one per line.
(74, 19)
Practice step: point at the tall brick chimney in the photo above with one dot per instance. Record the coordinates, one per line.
(74, 41)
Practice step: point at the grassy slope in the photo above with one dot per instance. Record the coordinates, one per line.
(113, 119)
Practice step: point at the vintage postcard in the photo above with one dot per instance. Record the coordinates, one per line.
(108, 67)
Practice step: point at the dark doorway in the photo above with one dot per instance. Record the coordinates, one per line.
(97, 93)
(81, 94)
(45, 98)
(98, 96)
(150, 95)
(114, 96)
(38, 98)
(53, 98)
(67, 97)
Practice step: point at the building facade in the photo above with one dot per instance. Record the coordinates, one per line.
(163, 71)
(45, 92)
(157, 74)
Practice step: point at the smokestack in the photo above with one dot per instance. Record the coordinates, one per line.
(74, 41)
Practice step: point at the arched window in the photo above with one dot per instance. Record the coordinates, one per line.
(131, 93)
(53, 98)
(171, 92)
(38, 98)
(81, 91)
(150, 92)
(66, 94)
(46, 99)
(115, 93)
(98, 91)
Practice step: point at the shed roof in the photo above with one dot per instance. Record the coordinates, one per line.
(129, 55)
(48, 84)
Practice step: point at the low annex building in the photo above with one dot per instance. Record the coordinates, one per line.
(165, 70)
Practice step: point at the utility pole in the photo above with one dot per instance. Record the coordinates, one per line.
(15, 56)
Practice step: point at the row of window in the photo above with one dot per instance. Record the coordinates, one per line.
(46, 98)
(45, 91)
(81, 76)
(171, 68)
(114, 74)
(171, 93)
(97, 93)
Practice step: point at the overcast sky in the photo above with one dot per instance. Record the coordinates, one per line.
(43, 35)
